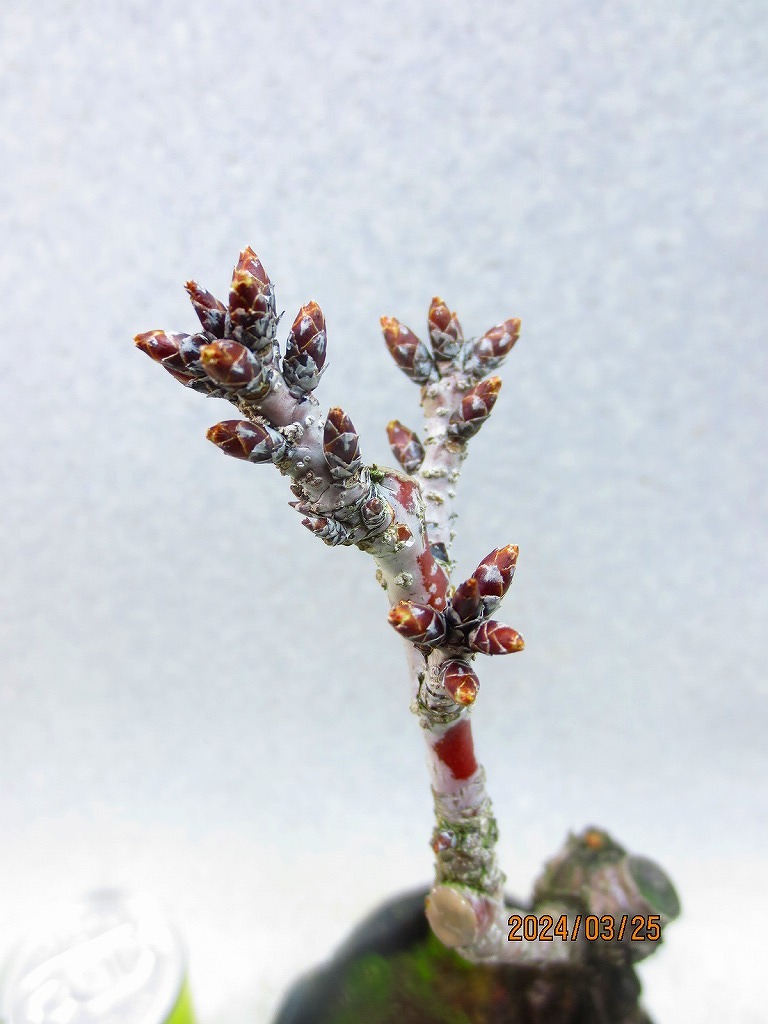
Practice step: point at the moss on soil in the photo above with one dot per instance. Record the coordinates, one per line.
(429, 984)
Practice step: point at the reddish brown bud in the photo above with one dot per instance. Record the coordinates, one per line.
(252, 303)
(406, 447)
(474, 410)
(444, 331)
(466, 600)
(341, 445)
(211, 313)
(419, 623)
(494, 575)
(179, 354)
(489, 352)
(411, 355)
(163, 347)
(460, 682)
(495, 638)
(234, 367)
(246, 439)
(307, 334)
(305, 349)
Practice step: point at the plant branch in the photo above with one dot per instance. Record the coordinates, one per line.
(404, 519)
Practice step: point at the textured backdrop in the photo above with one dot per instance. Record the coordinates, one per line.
(199, 698)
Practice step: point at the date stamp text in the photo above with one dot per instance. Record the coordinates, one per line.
(607, 928)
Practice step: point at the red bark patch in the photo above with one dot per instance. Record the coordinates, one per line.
(457, 751)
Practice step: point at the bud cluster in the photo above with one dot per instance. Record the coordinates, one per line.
(464, 628)
(448, 352)
(235, 355)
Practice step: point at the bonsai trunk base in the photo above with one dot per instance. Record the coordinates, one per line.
(393, 971)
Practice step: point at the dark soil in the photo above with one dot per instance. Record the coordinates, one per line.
(393, 971)
(429, 984)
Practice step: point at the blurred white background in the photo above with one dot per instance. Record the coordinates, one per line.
(200, 699)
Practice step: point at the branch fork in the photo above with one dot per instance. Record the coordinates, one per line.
(405, 519)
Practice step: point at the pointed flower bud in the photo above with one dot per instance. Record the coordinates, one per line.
(330, 531)
(474, 410)
(178, 353)
(305, 349)
(341, 445)
(460, 682)
(495, 638)
(466, 600)
(211, 313)
(445, 331)
(419, 623)
(489, 352)
(235, 368)
(250, 440)
(411, 355)
(494, 575)
(406, 447)
(252, 303)
(163, 347)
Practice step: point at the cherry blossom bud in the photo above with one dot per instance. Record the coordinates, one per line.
(305, 350)
(460, 682)
(179, 354)
(341, 445)
(235, 368)
(444, 331)
(406, 446)
(211, 313)
(246, 439)
(252, 303)
(419, 623)
(494, 575)
(474, 410)
(466, 600)
(173, 351)
(495, 638)
(411, 355)
(488, 352)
